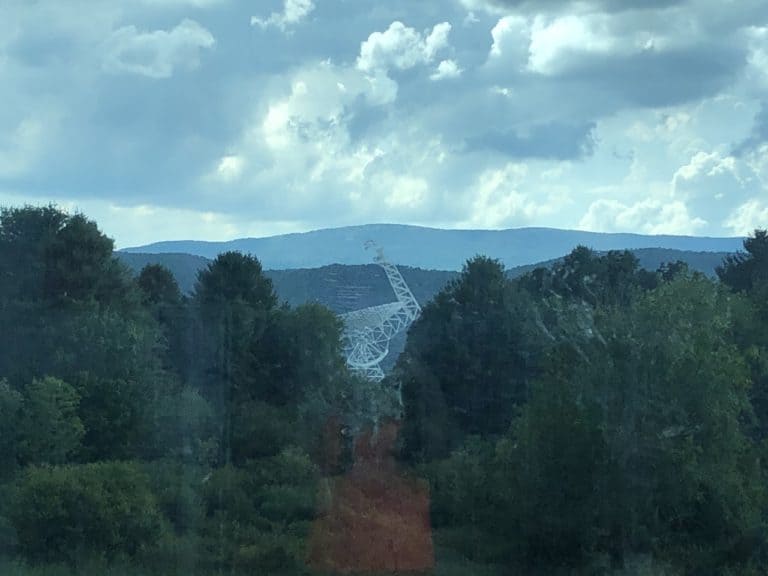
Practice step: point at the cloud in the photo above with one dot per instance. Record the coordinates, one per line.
(648, 216)
(156, 54)
(748, 217)
(505, 6)
(552, 140)
(711, 184)
(633, 115)
(758, 52)
(511, 38)
(182, 3)
(552, 42)
(20, 147)
(401, 47)
(447, 69)
(294, 11)
(230, 168)
(759, 134)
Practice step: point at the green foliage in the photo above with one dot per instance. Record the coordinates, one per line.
(186, 428)
(163, 299)
(158, 286)
(747, 274)
(67, 513)
(77, 317)
(118, 417)
(471, 352)
(259, 429)
(233, 301)
(25, 237)
(257, 517)
(177, 488)
(57, 258)
(634, 444)
(51, 429)
(593, 418)
(745, 271)
(11, 415)
(585, 276)
(234, 278)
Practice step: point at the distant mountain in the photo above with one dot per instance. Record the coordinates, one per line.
(431, 248)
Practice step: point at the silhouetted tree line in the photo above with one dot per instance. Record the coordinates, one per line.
(588, 418)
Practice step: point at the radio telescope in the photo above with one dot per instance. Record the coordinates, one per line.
(367, 332)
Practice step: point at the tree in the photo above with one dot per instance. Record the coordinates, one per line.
(607, 279)
(234, 278)
(673, 388)
(79, 265)
(158, 285)
(51, 430)
(162, 297)
(475, 341)
(633, 443)
(26, 235)
(747, 274)
(11, 403)
(744, 271)
(233, 300)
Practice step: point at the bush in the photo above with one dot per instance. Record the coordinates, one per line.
(258, 516)
(68, 513)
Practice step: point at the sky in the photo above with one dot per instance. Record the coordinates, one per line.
(218, 119)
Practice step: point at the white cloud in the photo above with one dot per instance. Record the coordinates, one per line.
(547, 45)
(704, 164)
(314, 109)
(711, 184)
(294, 11)
(552, 40)
(230, 168)
(401, 47)
(447, 69)
(748, 217)
(757, 161)
(156, 54)
(757, 40)
(511, 38)
(498, 199)
(405, 192)
(650, 216)
(473, 6)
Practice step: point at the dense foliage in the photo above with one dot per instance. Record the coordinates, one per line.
(587, 418)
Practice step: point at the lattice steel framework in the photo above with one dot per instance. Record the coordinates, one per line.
(367, 332)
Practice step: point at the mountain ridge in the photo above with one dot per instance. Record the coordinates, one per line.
(431, 248)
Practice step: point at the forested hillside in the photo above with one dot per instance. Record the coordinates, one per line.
(591, 417)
